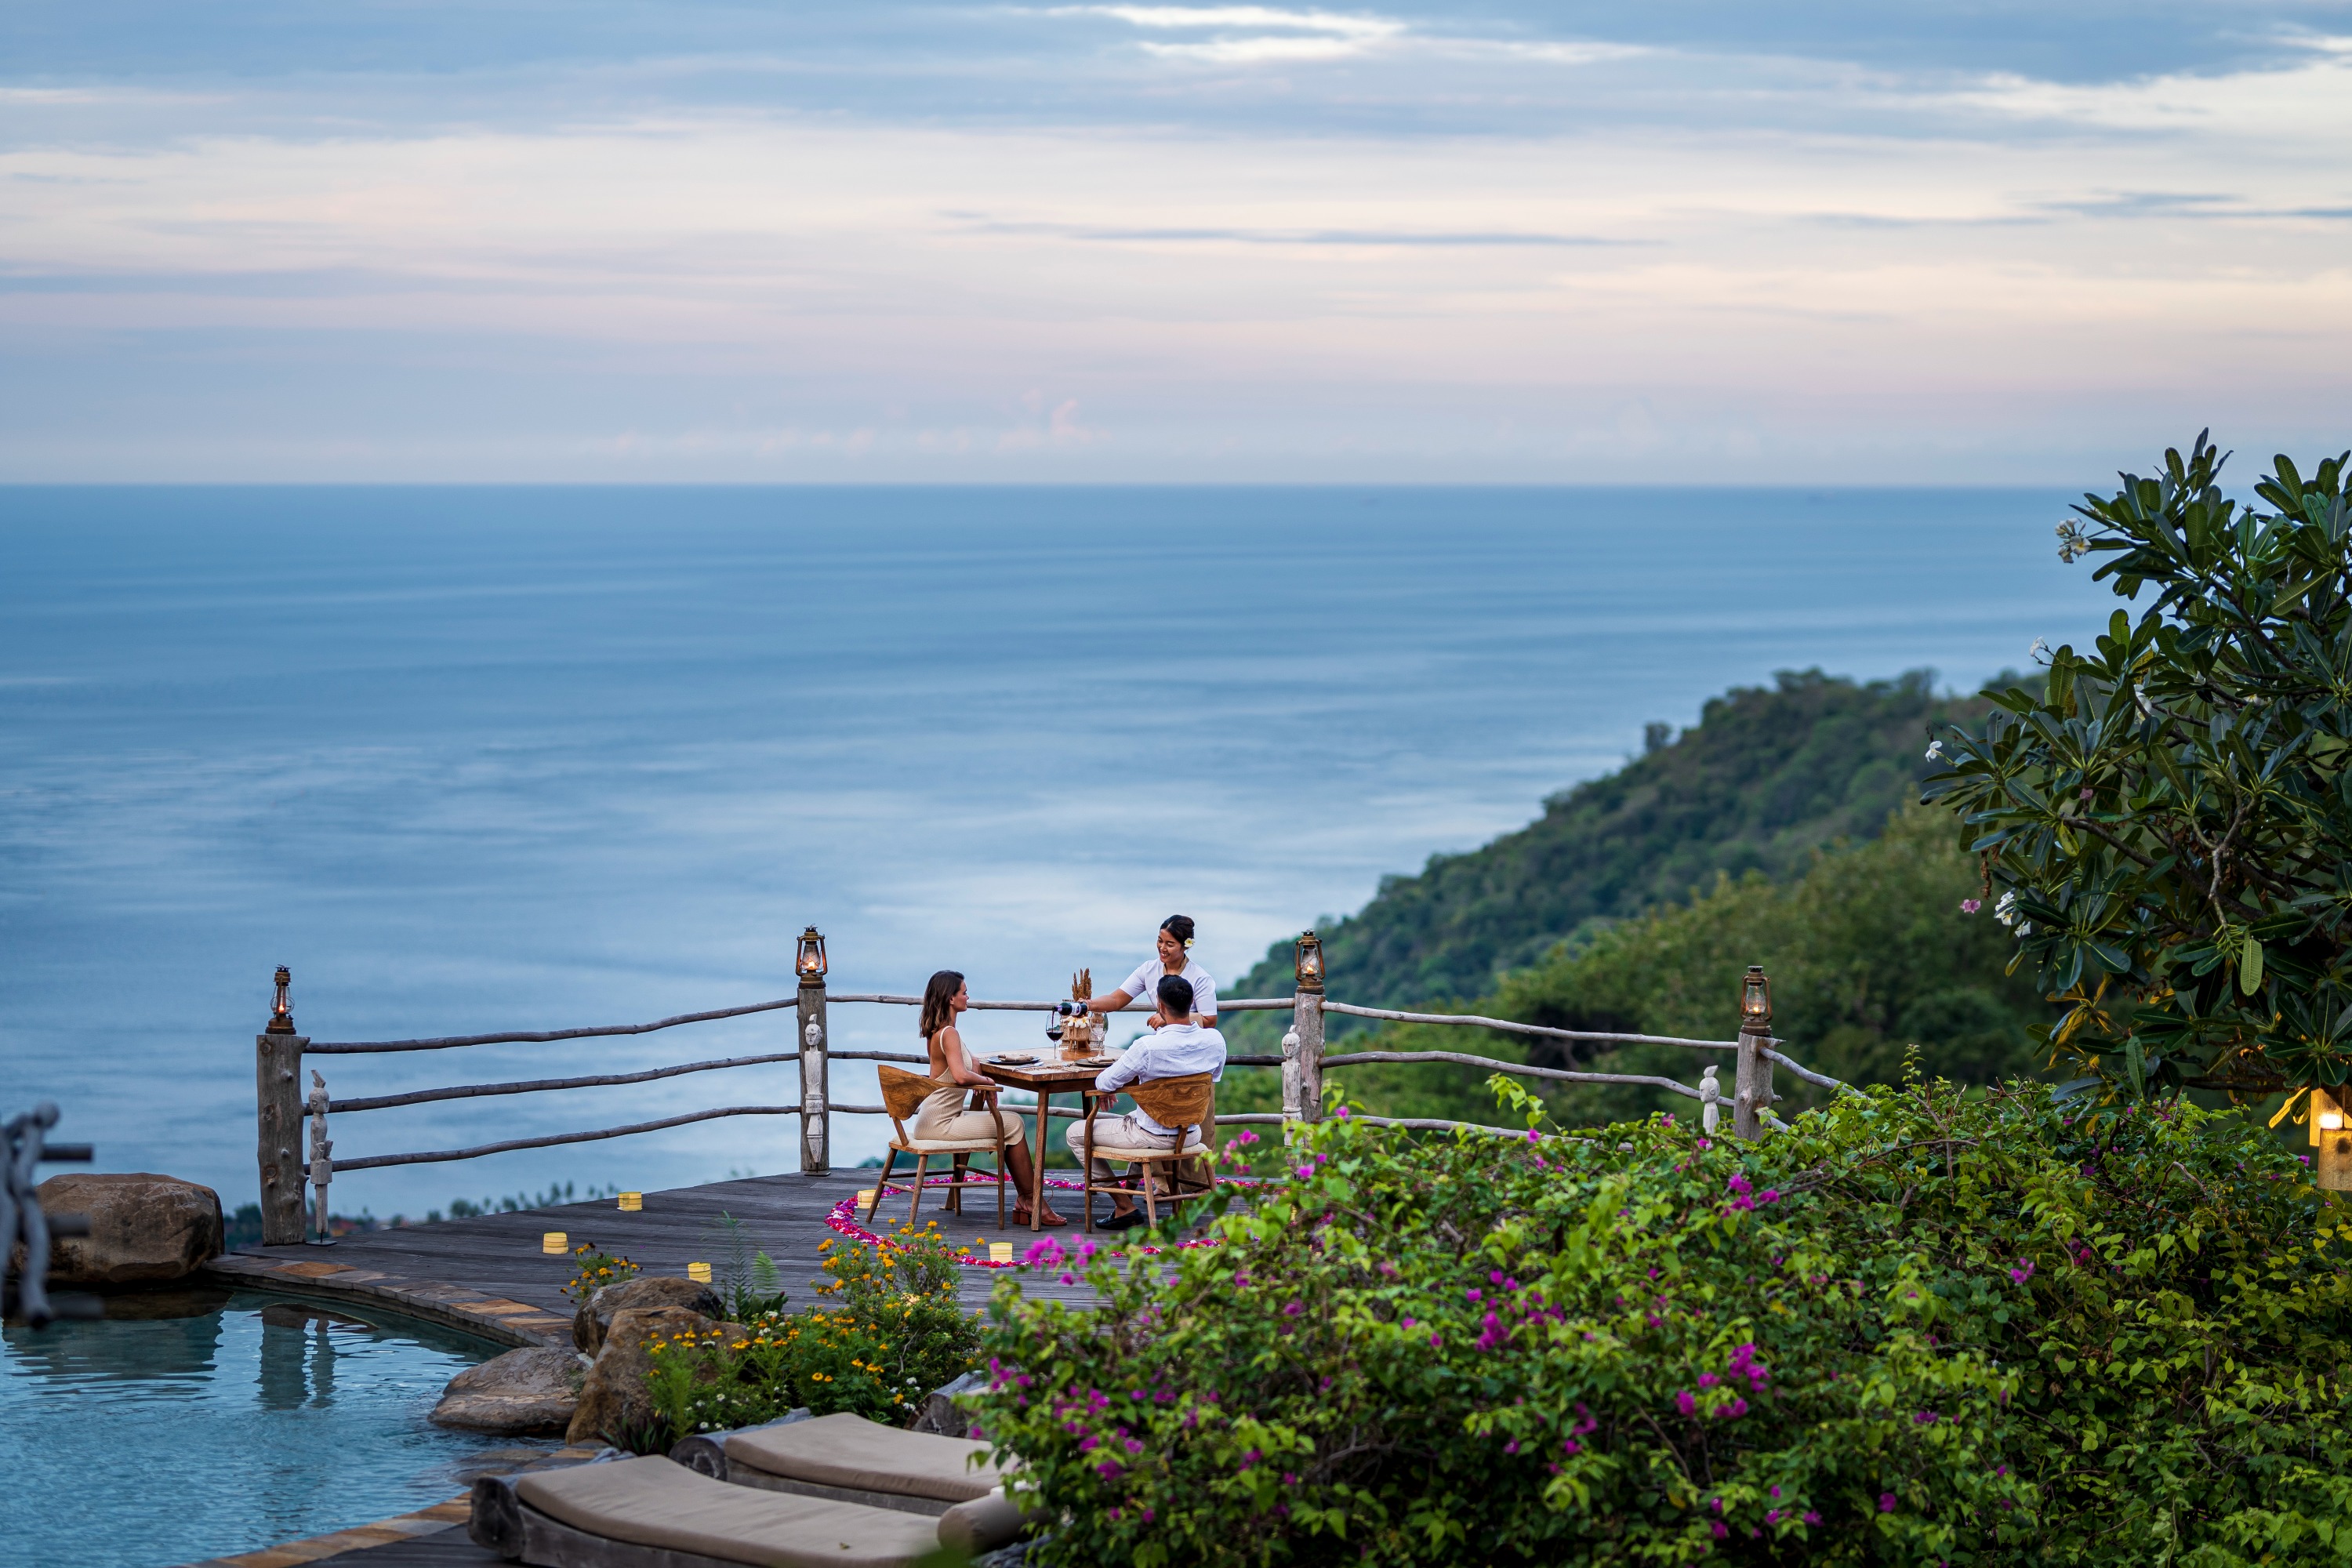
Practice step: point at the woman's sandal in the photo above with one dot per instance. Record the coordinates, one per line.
(1022, 1214)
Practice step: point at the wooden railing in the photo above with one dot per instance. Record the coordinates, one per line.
(282, 1106)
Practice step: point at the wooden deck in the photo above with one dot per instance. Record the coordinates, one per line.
(488, 1276)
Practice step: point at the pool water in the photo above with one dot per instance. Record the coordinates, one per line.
(195, 1424)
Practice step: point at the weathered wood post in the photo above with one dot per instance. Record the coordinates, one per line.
(1752, 1086)
(815, 1103)
(322, 1164)
(278, 1119)
(1302, 1048)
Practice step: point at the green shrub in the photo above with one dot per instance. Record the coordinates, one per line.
(1921, 1328)
(893, 1332)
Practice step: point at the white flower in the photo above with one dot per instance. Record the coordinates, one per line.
(2005, 911)
(2025, 928)
(2037, 649)
(1935, 751)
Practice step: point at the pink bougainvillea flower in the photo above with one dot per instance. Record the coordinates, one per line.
(1886, 1502)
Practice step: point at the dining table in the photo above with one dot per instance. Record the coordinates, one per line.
(1046, 1077)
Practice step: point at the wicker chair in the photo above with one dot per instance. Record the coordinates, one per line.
(1181, 1103)
(903, 1094)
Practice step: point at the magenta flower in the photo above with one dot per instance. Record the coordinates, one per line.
(1886, 1502)
(2023, 1273)
(1720, 1533)
(1343, 1113)
(1970, 906)
(1686, 1403)
(1812, 1517)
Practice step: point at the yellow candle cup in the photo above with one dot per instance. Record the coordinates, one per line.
(554, 1243)
(631, 1203)
(699, 1272)
(865, 1198)
(999, 1252)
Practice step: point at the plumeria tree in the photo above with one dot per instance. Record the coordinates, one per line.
(2166, 827)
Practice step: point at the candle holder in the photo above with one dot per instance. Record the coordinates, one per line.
(633, 1203)
(999, 1252)
(554, 1243)
(699, 1272)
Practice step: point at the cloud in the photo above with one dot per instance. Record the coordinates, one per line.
(1177, 16)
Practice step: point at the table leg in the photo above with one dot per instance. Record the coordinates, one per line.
(1038, 1167)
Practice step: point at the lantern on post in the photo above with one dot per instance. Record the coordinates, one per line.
(810, 963)
(1302, 1048)
(281, 1011)
(1308, 961)
(2331, 1167)
(1751, 1095)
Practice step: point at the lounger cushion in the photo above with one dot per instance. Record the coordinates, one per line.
(847, 1450)
(649, 1501)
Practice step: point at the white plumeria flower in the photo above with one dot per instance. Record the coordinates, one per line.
(1935, 751)
(2037, 649)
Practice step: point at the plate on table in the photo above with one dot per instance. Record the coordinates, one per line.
(1017, 1061)
(1093, 1062)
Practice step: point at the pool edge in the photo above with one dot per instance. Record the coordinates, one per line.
(493, 1317)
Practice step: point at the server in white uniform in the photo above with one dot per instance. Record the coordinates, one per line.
(1175, 939)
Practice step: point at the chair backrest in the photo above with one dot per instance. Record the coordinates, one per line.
(903, 1092)
(1187, 1101)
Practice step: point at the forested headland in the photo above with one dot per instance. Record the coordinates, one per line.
(1783, 829)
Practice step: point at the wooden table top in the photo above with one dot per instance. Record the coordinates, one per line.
(1047, 1073)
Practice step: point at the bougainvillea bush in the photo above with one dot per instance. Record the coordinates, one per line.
(1920, 1328)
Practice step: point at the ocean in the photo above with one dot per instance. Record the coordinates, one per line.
(488, 758)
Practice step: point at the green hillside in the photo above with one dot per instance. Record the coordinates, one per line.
(1869, 950)
(1769, 776)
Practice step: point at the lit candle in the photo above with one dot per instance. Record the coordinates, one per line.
(554, 1243)
(999, 1252)
(632, 1202)
(699, 1272)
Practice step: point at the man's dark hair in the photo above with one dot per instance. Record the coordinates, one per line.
(1176, 995)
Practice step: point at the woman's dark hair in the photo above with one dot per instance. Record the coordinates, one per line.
(1175, 994)
(1180, 927)
(937, 995)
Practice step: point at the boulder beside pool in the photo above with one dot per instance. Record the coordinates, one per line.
(144, 1229)
(529, 1392)
(594, 1317)
(615, 1402)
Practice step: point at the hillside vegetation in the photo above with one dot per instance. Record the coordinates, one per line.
(1869, 954)
(1769, 777)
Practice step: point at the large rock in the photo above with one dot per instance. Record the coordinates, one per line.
(615, 1405)
(143, 1229)
(522, 1394)
(595, 1314)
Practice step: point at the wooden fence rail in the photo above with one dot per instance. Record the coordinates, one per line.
(280, 1106)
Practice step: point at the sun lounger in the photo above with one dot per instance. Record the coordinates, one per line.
(647, 1512)
(847, 1458)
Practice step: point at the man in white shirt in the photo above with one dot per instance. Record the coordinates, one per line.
(1178, 1048)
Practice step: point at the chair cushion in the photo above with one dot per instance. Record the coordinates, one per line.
(850, 1451)
(649, 1501)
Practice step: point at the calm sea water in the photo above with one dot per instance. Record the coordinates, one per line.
(527, 758)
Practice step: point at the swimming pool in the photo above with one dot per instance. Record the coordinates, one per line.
(197, 1424)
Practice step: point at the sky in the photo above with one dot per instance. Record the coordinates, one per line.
(1691, 241)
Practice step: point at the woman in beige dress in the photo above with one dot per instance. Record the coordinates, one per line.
(944, 1112)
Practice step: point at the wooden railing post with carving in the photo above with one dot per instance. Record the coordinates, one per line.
(1302, 1075)
(278, 1119)
(1752, 1087)
(816, 1100)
